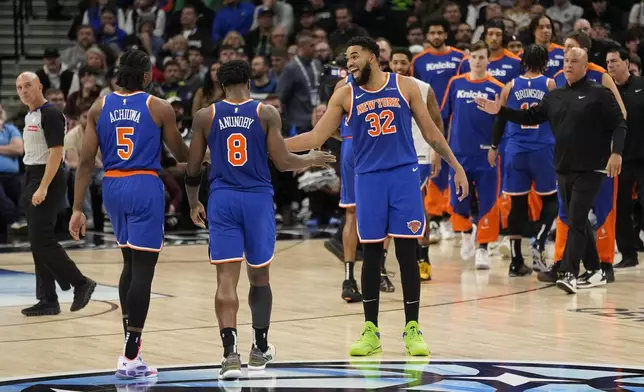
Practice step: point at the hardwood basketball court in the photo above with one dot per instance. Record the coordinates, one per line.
(465, 315)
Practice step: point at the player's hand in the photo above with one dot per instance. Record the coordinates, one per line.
(319, 158)
(491, 107)
(614, 165)
(435, 161)
(198, 215)
(461, 184)
(39, 196)
(492, 156)
(77, 225)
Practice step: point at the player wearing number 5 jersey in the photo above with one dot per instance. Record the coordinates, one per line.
(529, 160)
(130, 127)
(379, 108)
(241, 134)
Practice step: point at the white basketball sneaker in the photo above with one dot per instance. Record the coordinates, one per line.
(482, 260)
(468, 246)
(130, 369)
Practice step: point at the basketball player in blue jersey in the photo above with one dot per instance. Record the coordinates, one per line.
(400, 63)
(130, 127)
(379, 107)
(542, 31)
(241, 134)
(529, 159)
(503, 65)
(436, 66)
(469, 135)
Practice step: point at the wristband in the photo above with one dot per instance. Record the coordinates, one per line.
(192, 180)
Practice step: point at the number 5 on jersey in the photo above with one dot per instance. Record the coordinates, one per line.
(237, 153)
(124, 143)
(381, 124)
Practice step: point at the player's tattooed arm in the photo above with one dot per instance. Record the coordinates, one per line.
(430, 131)
(434, 110)
(284, 160)
(171, 135)
(87, 155)
(324, 129)
(200, 127)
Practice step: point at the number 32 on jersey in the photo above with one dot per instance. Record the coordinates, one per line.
(380, 123)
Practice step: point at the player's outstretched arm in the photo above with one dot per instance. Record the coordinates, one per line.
(84, 170)
(284, 160)
(171, 135)
(324, 129)
(200, 128)
(535, 115)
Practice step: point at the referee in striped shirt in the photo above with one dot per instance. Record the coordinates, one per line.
(45, 191)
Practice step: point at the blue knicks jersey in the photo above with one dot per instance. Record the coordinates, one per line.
(381, 125)
(527, 92)
(345, 130)
(594, 73)
(128, 137)
(238, 151)
(504, 68)
(470, 127)
(437, 68)
(555, 60)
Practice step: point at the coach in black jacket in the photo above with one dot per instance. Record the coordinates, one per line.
(585, 120)
(631, 88)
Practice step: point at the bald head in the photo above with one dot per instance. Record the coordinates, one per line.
(582, 25)
(30, 90)
(575, 64)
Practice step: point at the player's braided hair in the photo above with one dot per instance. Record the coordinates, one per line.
(234, 73)
(535, 58)
(132, 67)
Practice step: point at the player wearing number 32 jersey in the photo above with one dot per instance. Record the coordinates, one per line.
(379, 107)
(242, 134)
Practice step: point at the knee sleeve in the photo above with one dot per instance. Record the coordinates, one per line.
(518, 214)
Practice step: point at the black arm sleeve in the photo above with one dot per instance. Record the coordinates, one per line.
(533, 116)
(497, 130)
(614, 119)
(53, 125)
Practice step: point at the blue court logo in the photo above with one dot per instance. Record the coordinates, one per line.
(374, 375)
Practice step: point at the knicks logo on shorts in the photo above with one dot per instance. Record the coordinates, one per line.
(414, 226)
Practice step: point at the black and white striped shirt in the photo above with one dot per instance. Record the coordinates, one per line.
(45, 128)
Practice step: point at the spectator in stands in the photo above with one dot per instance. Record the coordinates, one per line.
(452, 13)
(636, 16)
(306, 22)
(258, 41)
(75, 55)
(473, 14)
(323, 52)
(95, 59)
(110, 35)
(196, 69)
(11, 149)
(415, 34)
(463, 34)
(584, 26)
(92, 16)
(385, 53)
(566, 13)
(56, 97)
(235, 15)
(279, 59)
(632, 41)
(110, 80)
(86, 95)
(282, 14)
(279, 38)
(324, 16)
(345, 30)
(262, 82)
(150, 42)
(188, 29)
(54, 74)
(319, 35)
(492, 11)
(173, 84)
(603, 11)
(635, 65)
(142, 12)
(520, 13)
(372, 15)
(226, 53)
(210, 93)
(176, 46)
(299, 83)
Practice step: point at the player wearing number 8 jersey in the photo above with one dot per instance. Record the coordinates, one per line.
(130, 127)
(241, 134)
(379, 108)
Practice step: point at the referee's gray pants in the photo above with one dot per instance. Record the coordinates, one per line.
(52, 263)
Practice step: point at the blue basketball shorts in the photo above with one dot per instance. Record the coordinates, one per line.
(388, 203)
(522, 168)
(135, 205)
(347, 174)
(241, 224)
(424, 171)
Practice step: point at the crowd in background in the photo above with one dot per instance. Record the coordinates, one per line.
(292, 48)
